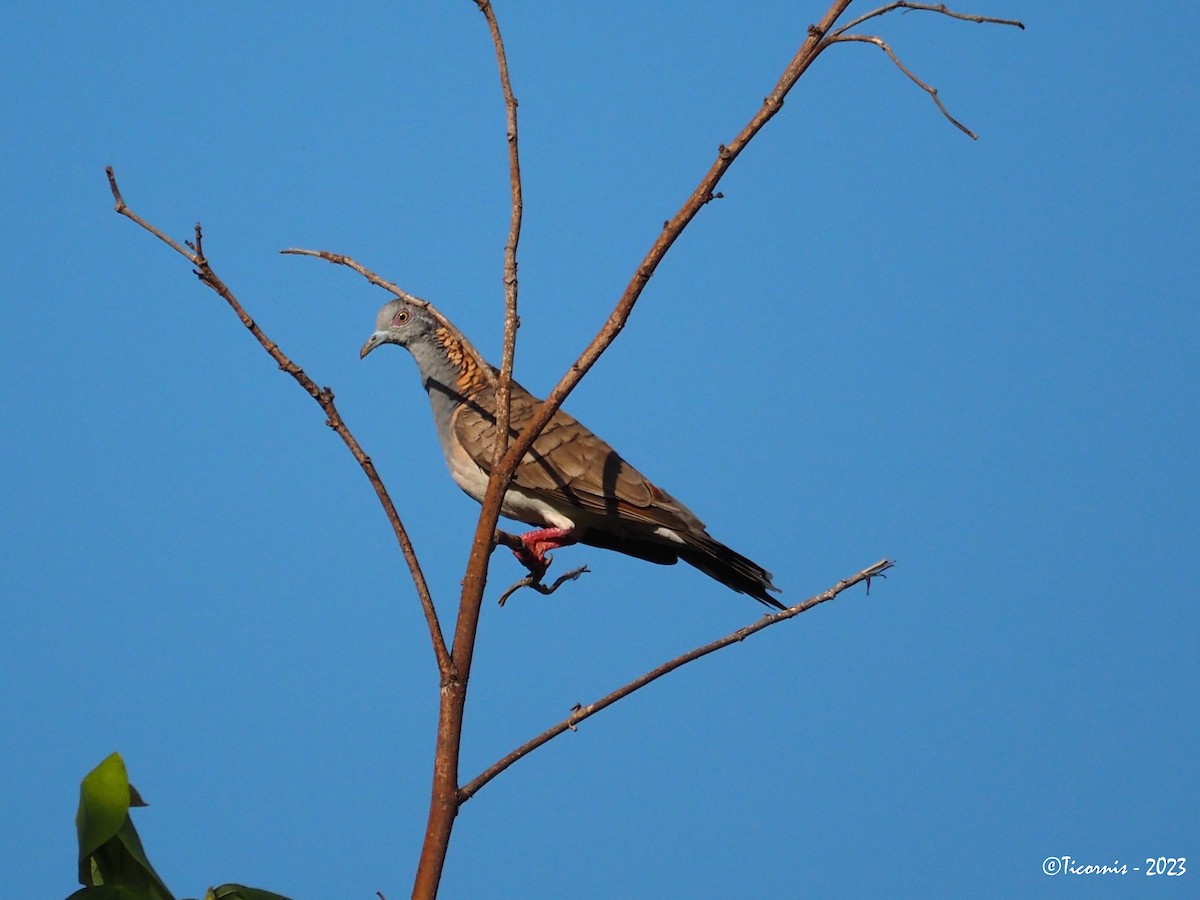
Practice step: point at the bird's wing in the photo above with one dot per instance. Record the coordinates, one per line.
(569, 466)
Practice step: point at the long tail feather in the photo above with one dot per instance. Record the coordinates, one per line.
(730, 568)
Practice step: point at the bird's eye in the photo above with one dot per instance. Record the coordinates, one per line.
(400, 318)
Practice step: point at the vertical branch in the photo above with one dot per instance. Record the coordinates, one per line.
(511, 321)
(481, 546)
(444, 802)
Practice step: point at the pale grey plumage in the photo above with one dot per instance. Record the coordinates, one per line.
(571, 482)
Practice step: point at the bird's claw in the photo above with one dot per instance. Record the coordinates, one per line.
(530, 581)
(532, 551)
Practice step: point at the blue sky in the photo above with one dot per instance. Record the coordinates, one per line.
(977, 358)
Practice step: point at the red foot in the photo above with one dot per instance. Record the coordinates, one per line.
(538, 543)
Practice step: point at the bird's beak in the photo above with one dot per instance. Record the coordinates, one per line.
(379, 337)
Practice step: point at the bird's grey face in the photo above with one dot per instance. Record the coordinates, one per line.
(397, 323)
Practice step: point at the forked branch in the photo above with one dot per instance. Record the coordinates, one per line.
(840, 36)
(939, 8)
(820, 37)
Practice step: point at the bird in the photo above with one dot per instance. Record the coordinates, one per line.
(571, 485)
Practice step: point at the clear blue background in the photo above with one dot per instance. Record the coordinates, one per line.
(978, 358)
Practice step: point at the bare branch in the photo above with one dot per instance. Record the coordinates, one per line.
(498, 479)
(500, 475)
(444, 802)
(128, 213)
(342, 260)
(931, 91)
(467, 791)
(511, 321)
(939, 8)
(839, 36)
(323, 396)
(673, 228)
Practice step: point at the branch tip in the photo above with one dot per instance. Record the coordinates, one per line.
(118, 200)
(840, 38)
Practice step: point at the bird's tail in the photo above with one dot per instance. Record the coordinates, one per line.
(730, 568)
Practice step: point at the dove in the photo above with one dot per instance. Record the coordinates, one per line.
(571, 485)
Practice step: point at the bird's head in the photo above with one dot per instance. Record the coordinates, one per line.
(399, 322)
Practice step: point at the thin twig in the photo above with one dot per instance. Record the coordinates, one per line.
(931, 91)
(939, 8)
(323, 395)
(128, 213)
(839, 36)
(468, 790)
(475, 578)
(342, 260)
(511, 320)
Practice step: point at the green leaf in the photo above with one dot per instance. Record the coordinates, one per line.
(111, 892)
(103, 807)
(112, 862)
(240, 892)
(111, 856)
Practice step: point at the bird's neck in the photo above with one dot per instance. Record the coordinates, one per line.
(447, 360)
(440, 378)
(450, 374)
